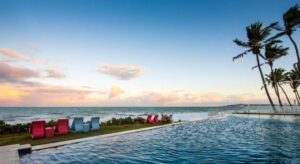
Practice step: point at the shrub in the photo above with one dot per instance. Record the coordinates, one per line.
(12, 129)
(123, 121)
(18, 128)
(51, 123)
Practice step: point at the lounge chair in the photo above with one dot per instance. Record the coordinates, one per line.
(77, 125)
(148, 120)
(94, 124)
(155, 119)
(62, 127)
(170, 118)
(37, 129)
(164, 118)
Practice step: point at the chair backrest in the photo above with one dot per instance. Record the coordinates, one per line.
(149, 118)
(37, 129)
(94, 124)
(155, 119)
(171, 118)
(77, 124)
(62, 126)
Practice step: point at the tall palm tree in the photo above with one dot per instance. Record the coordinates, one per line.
(291, 20)
(257, 36)
(273, 52)
(294, 81)
(277, 78)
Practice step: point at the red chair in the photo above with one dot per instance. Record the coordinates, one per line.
(49, 132)
(148, 120)
(155, 119)
(37, 129)
(62, 126)
(165, 119)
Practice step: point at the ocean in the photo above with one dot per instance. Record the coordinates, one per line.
(14, 115)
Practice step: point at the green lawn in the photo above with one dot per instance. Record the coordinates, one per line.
(24, 138)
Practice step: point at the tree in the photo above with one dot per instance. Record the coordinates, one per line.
(277, 78)
(293, 79)
(257, 39)
(272, 53)
(291, 20)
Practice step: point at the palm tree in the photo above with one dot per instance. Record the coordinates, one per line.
(277, 78)
(273, 52)
(291, 20)
(257, 36)
(293, 79)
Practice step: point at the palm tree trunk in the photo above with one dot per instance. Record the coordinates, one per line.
(275, 85)
(278, 94)
(263, 80)
(297, 98)
(287, 98)
(296, 49)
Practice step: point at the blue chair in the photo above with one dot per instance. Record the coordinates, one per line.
(94, 124)
(171, 118)
(86, 127)
(77, 124)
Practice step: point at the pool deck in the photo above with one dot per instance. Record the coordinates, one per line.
(266, 113)
(10, 154)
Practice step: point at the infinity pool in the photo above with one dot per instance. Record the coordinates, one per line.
(226, 140)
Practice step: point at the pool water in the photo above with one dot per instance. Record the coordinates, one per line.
(226, 140)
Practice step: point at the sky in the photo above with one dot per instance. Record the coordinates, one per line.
(132, 52)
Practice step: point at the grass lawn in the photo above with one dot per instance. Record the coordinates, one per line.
(24, 138)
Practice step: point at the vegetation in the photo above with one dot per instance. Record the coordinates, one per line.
(13, 136)
(24, 128)
(257, 38)
(124, 121)
(260, 39)
(293, 79)
(24, 138)
(277, 78)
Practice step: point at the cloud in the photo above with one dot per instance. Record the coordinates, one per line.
(47, 95)
(51, 73)
(16, 56)
(115, 92)
(11, 92)
(191, 99)
(50, 95)
(121, 72)
(9, 73)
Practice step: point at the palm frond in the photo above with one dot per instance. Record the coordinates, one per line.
(257, 66)
(274, 51)
(291, 19)
(240, 43)
(241, 55)
(265, 32)
(275, 37)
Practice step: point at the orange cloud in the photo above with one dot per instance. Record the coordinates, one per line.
(11, 92)
(115, 92)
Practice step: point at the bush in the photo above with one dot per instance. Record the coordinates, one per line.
(24, 128)
(123, 121)
(19, 128)
(12, 129)
(51, 123)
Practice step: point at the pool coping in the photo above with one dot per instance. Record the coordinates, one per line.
(264, 113)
